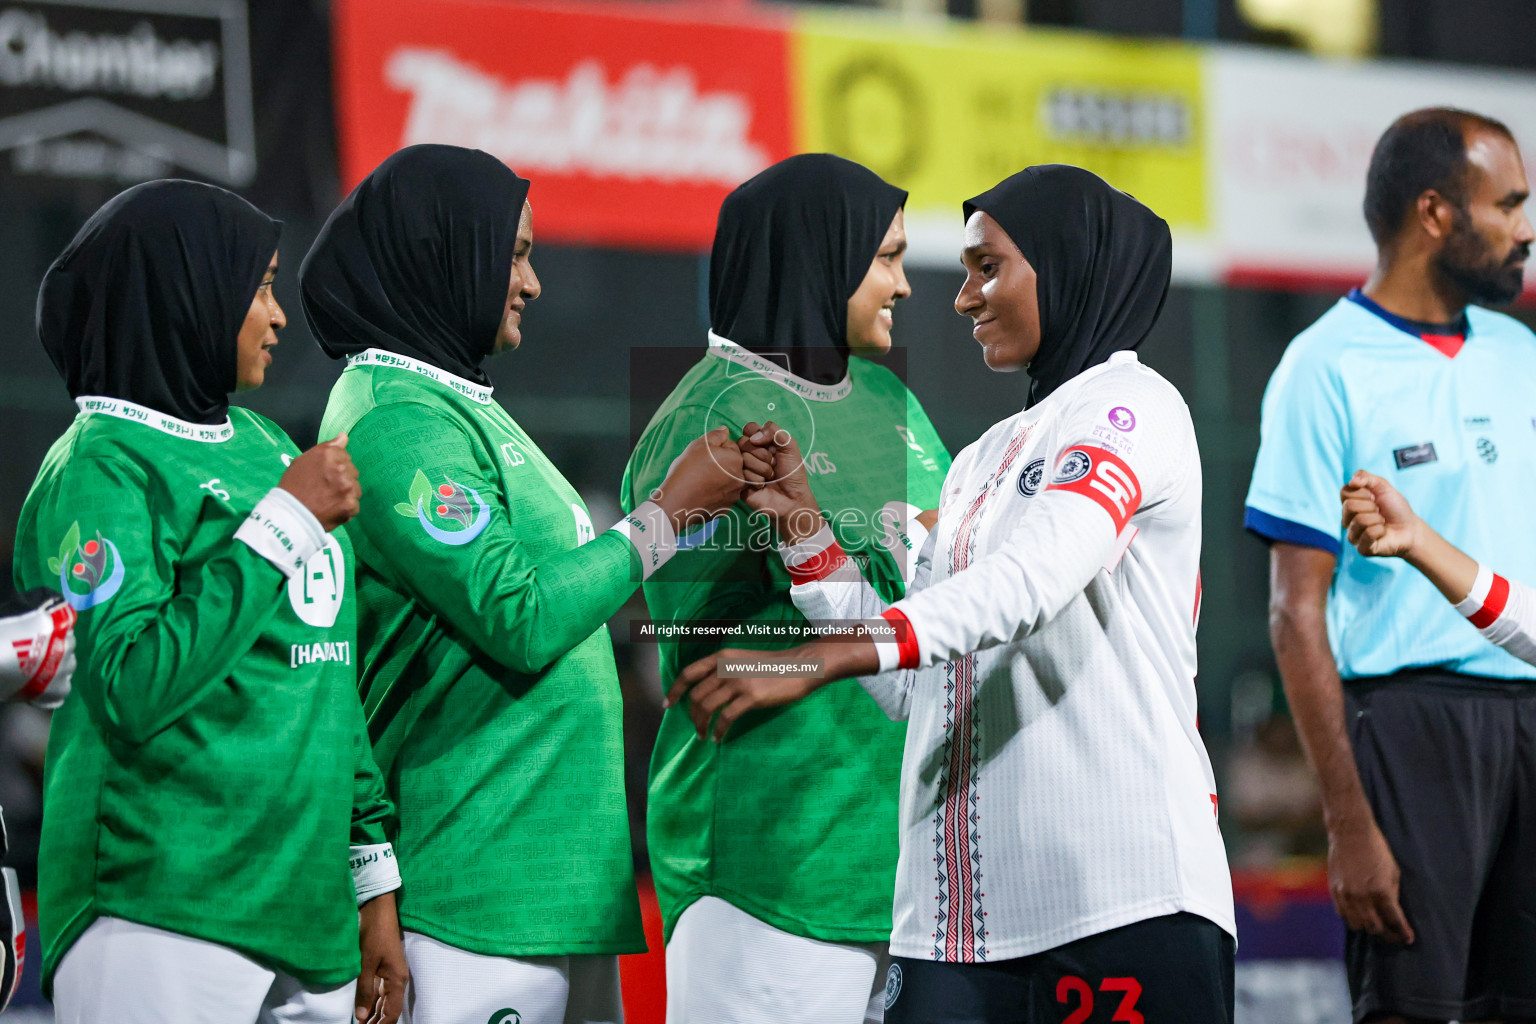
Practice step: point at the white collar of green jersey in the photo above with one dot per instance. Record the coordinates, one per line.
(378, 357)
(727, 349)
(123, 409)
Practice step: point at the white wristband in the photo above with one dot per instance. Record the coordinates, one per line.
(374, 871)
(281, 530)
(1473, 602)
(649, 529)
(890, 654)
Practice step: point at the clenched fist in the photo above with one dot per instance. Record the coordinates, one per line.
(785, 496)
(1377, 519)
(325, 481)
(705, 481)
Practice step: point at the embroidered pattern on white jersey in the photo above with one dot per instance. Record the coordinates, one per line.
(960, 932)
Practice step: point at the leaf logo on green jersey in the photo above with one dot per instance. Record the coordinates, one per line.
(448, 503)
(89, 573)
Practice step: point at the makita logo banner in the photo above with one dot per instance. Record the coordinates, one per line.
(651, 123)
(126, 90)
(632, 127)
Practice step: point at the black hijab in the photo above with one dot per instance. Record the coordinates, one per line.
(146, 303)
(792, 246)
(417, 260)
(1102, 260)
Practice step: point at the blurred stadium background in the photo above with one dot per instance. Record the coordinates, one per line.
(1246, 123)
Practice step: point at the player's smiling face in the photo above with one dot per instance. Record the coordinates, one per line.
(258, 334)
(524, 287)
(999, 295)
(871, 309)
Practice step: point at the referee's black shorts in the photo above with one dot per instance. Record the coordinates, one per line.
(1166, 970)
(1448, 763)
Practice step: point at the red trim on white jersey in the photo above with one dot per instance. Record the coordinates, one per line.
(63, 620)
(1493, 604)
(906, 639)
(960, 930)
(1106, 479)
(819, 566)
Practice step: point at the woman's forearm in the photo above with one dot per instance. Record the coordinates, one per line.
(1450, 569)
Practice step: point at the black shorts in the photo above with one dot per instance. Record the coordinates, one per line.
(1166, 970)
(1448, 763)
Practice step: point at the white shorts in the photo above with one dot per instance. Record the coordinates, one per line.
(452, 986)
(725, 966)
(131, 973)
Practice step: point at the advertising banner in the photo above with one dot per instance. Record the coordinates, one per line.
(125, 90)
(1292, 139)
(632, 126)
(634, 120)
(947, 111)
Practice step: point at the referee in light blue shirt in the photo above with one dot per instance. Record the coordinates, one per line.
(1427, 750)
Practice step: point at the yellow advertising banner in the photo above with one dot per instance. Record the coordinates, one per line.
(946, 110)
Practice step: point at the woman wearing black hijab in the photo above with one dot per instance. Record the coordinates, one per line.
(487, 675)
(773, 869)
(1059, 848)
(206, 780)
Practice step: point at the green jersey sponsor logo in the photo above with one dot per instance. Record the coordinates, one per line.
(449, 513)
(505, 1017)
(89, 573)
(300, 655)
(316, 591)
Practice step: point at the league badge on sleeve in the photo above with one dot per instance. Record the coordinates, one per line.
(1114, 430)
(1112, 483)
(89, 573)
(449, 513)
(1072, 468)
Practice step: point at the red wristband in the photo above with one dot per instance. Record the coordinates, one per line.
(819, 566)
(906, 638)
(1493, 604)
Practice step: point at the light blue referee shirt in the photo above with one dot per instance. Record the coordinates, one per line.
(1451, 425)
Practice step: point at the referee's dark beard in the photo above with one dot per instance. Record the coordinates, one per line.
(1469, 262)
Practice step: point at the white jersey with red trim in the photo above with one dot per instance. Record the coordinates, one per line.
(1504, 611)
(37, 649)
(1054, 784)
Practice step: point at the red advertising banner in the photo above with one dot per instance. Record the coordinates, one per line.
(631, 126)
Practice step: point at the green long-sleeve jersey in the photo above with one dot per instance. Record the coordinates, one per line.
(211, 769)
(793, 817)
(488, 679)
